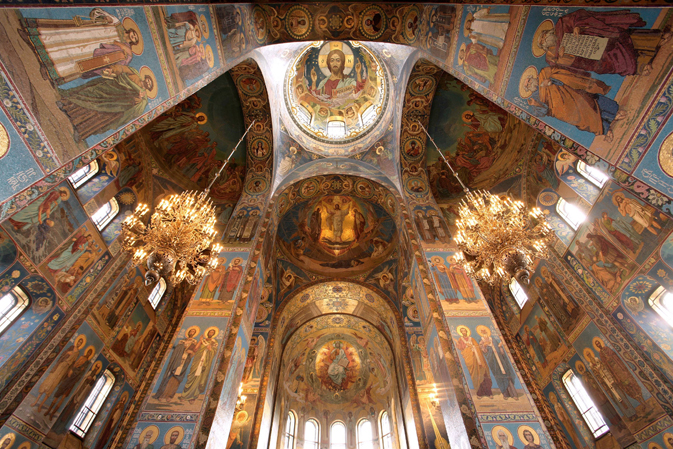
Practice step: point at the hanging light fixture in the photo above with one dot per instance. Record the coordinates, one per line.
(497, 237)
(178, 243)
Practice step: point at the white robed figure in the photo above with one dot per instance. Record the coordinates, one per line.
(486, 28)
(337, 369)
(66, 46)
(338, 216)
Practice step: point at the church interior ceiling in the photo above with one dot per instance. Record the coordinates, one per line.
(337, 215)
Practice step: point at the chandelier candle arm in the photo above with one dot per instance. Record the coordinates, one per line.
(179, 241)
(497, 237)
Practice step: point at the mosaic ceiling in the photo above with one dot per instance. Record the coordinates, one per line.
(336, 91)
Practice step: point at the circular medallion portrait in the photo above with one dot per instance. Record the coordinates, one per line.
(335, 368)
(336, 91)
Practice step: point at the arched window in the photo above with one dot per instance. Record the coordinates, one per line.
(593, 174)
(11, 306)
(386, 431)
(311, 434)
(336, 129)
(570, 213)
(584, 404)
(157, 293)
(662, 303)
(518, 293)
(83, 174)
(105, 214)
(87, 414)
(290, 430)
(303, 114)
(368, 115)
(337, 435)
(365, 436)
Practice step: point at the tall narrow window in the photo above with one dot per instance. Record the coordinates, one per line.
(337, 435)
(157, 293)
(303, 114)
(368, 115)
(570, 213)
(386, 431)
(593, 174)
(83, 174)
(11, 306)
(290, 429)
(365, 436)
(336, 129)
(662, 303)
(585, 405)
(105, 214)
(518, 293)
(311, 434)
(87, 414)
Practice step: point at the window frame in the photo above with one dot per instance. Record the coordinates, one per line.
(332, 444)
(100, 220)
(342, 125)
(369, 118)
(290, 437)
(655, 302)
(93, 169)
(360, 443)
(517, 291)
(304, 115)
(312, 444)
(21, 303)
(561, 208)
(385, 439)
(588, 172)
(161, 286)
(585, 405)
(88, 412)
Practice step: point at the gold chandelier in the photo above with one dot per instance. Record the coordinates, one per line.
(178, 242)
(497, 237)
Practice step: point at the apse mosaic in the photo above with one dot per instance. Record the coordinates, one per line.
(337, 362)
(343, 232)
(336, 91)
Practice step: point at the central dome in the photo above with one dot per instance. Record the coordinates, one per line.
(336, 92)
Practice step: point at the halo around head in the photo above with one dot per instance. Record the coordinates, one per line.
(203, 24)
(530, 72)
(65, 192)
(668, 436)
(461, 327)
(481, 329)
(80, 341)
(155, 434)
(212, 328)
(545, 26)
(466, 30)
(179, 429)
(11, 436)
(595, 340)
(146, 71)
(195, 328)
(461, 59)
(496, 431)
(520, 431)
(129, 24)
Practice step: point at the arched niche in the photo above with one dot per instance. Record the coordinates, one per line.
(338, 368)
(305, 319)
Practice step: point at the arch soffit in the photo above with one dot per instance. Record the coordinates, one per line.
(320, 298)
